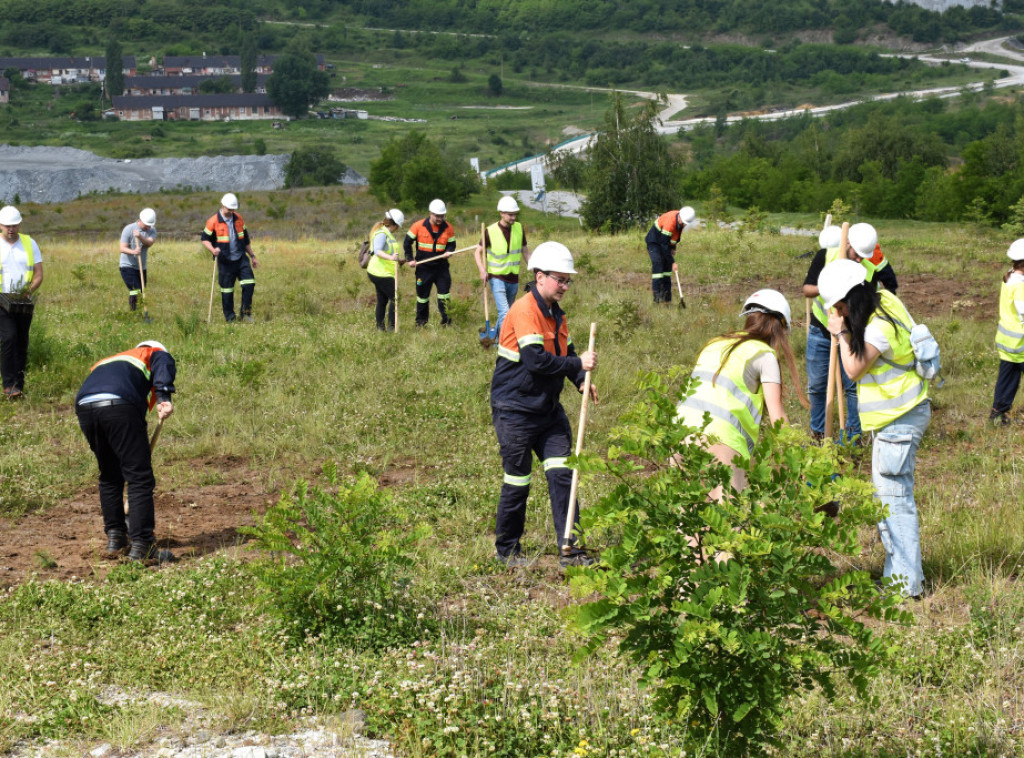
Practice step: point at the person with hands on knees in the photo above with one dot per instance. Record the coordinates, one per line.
(873, 329)
(535, 357)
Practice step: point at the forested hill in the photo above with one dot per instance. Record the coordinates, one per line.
(62, 26)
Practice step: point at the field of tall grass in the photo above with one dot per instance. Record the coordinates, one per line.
(484, 662)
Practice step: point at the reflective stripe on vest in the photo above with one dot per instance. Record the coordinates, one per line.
(735, 410)
(139, 364)
(891, 387)
(503, 256)
(26, 242)
(1009, 334)
(668, 224)
(382, 267)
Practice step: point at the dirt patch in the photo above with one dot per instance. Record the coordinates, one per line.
(191, 521)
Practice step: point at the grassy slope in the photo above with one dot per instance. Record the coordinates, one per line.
(417, 411)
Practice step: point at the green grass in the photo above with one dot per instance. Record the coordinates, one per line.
(313, 382)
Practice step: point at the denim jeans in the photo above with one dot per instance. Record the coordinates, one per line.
(504, 296)
(818, 348)
(893, 459)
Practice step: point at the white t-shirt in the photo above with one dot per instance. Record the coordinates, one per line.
(764, 369)
(14, 264)
(1016, 278)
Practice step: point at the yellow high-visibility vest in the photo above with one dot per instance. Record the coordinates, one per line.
(380, 266)
(503, 256)
(1010, 332)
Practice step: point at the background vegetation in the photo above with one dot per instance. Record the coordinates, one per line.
(484, 657)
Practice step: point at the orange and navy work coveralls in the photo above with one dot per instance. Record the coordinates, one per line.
(424, 241)
(661, 247)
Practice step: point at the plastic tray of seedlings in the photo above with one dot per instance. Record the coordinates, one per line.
(14, 302)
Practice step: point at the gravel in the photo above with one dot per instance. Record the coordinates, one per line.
(58, 174)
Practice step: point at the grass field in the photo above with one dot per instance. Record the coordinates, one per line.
(487, 669)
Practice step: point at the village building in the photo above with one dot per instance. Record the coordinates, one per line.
(5, 90)
(66, 70)
(183, 85)
(219, 65)
(194, 108)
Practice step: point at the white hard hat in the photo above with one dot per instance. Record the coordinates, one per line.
(830, 237)
(148, 216)
(152, 343)
(9, 216)
(395, 215)
(229, 201)
(508, 204)
(838, 278)
(437, 207)
(863, 238)
(687, 215)
(767, 301)
(1015, 253)
(552, 256)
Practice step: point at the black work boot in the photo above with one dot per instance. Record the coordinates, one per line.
(117, 541)
(142, 551)
(999, 418)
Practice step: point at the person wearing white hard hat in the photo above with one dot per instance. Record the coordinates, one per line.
(427, 238)
(661, 241)
(228, 240)
(500, 254)
(862, 247)
(21, 271)
(136, 239)
(111, 407)
(740, 378)
(873, 329)
(387, 256)
(1010, 335)
(535, 357)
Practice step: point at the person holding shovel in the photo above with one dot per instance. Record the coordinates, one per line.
(499, 254)
(1010, 336)
(661, 247)
(740, 378)
(535, 357)
(21, 271)
(381, 269)
(111, 407)
(427, 238)
(862, 247)
(873, 330)
(227, 239)
(136, 239)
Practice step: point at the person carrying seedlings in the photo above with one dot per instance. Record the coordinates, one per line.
(227, 239)
(535, 357)
(426, 238)
(111, 407)
(661, 247)
(381, 269)
(873, 329)
(21, 271)
(1010, 335)
(136, 239)
(862, 247)
(740, 378)
(504, 245)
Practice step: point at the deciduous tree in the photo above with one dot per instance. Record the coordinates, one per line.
(115, 68)
(296, 84)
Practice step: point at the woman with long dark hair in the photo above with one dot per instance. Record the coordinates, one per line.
(873, 329)
(740, 378)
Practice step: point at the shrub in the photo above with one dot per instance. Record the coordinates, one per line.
(338, 561)
(313, 167)
(724, 642)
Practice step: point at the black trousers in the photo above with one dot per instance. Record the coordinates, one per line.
(385, 286)
(1006, 385)
(433, 275)
(228, 272)
(118, 437)
(520, 435)
(14, 348)
(661, 274)
(132, 280)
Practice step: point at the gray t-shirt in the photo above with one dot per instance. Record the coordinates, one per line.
(128, 238)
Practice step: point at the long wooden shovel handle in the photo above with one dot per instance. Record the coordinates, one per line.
(213, 284)
(833, 356)
(444, 255)
(156, 435)
(483, 231)
(570, 517)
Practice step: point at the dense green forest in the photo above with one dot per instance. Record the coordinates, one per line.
(936, 160)
(59, 26)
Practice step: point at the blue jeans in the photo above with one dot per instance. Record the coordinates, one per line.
(818, 348)
(504, 296)
(893, 459)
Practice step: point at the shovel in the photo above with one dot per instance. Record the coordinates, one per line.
(489, 334)
(145, 307)
(682, 303)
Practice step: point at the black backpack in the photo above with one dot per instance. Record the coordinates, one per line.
(365, 254)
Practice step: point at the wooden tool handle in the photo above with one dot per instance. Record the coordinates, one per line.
(570, 517)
